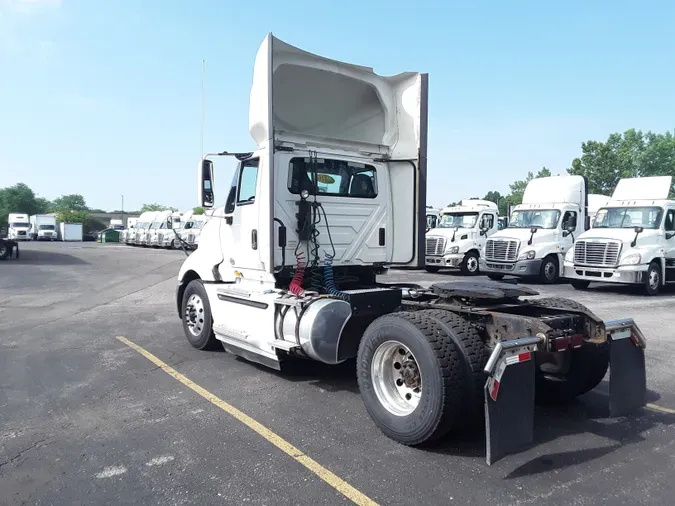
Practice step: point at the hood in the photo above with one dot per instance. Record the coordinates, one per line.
(625, 235)
(302, 98)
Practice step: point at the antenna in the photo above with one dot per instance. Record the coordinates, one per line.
(203, 105)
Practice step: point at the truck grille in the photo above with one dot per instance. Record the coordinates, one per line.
(501, 250)
(435, 246)
(21, 232)
(602, 253)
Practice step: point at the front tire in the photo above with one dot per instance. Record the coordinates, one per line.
(470, 265)
(411, 378)
(550, 271)
(495, 277)
(197, 319)
(653, 279)
(432, 270)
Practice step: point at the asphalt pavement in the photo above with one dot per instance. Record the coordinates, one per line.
(87, 419)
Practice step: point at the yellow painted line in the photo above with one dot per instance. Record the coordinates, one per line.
(654, 407)
(333, 480)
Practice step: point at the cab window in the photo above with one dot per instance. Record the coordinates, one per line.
(569, 220)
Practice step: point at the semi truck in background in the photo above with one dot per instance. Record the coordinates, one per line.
(433, 215)
(192, 229)
(18, 227)
(142, 227)
(43, 227)
(460, 235)
(288, 268)
(126, 233)
(595, 202)
(632, 240)
(541, 230)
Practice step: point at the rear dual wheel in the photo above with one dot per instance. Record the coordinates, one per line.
(420, 374)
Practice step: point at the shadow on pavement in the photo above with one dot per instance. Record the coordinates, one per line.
(31, 256)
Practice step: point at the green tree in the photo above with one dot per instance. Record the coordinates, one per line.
(20, 199)
(198, 210)
(153, 207)
(631, 154)
(71, 202)
(68, 216)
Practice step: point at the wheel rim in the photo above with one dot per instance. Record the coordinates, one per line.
(472, 264)
(3, 250)
(194, 314)
(654, 279)
(549, 270)
(396, 378)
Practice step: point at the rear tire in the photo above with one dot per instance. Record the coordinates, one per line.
(495, 277)
(580, 284)
(196, 316)
(4, 250)
(436, 407)
(432, 270)
(586, 367)
(470, 265)
(653, 279)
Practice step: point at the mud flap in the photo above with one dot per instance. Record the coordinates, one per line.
(509, 397)
(627, 371)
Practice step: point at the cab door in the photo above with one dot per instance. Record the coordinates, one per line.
(569, 222)
(239, 234)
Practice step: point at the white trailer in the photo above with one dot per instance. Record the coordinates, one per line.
(18, 227)
(460, 236)
(632, 240)
(43, 227)
(70, 231)
(540, 230)
(288, 268)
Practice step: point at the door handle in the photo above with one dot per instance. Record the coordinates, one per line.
(254, 239)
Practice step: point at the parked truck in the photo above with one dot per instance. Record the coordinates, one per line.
(192, 229)
(540, 231)
(632, 240)
(18, 227)
(141, 235)
(460, 235)
(43, 227)
(288, 268)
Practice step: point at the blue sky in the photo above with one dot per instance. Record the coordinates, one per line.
(103, 98)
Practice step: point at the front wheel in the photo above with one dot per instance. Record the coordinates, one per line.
(411, 378)
(653, 279)
(549, 270)
(469, 265)
(197, 319)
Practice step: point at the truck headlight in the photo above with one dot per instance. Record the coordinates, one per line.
(454, 250)
(569, 256)
(633, 259)
(526, 255)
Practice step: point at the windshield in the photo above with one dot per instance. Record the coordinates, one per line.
(540, 218)
(46, 227)
(628, 217)
(19, 224)
(155, 224)
(198, 224)
(462, 220)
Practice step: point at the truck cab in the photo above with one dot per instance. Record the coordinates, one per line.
(128, 233)
(460, 236)
(142, 227)
(159, 229)
(540, 230)
(18, 227)
(192, 229)
(632, 240)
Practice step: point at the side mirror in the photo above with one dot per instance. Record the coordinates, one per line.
(566, 233)
(206, 197)
(533, 230)
(639, 230)
(670, 235)
(169, 222)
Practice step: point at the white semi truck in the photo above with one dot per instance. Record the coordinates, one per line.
(43, 227)
(540, 231)
(191, 232)
(288, 268)
(632, 240)
(141, 234)
(460, 235)
(18, 227)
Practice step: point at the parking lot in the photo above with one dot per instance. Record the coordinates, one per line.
(86, 418)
